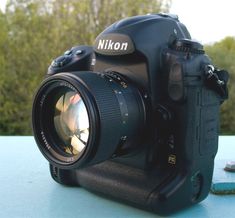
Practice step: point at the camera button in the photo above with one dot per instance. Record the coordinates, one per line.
(68, 52)
(78, 52)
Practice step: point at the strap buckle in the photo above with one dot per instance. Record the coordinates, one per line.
(216, 80)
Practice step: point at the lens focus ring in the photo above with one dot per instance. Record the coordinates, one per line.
(109, 113)
(115, 110)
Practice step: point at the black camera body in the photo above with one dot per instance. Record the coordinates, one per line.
(168, 95)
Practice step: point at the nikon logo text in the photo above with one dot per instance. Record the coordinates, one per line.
(108, 44)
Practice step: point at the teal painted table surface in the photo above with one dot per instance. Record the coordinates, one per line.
(27, 190)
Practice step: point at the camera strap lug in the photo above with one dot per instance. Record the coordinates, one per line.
(217, 79)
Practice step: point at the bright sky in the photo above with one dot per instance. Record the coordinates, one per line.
(2, 4)
(207, 20)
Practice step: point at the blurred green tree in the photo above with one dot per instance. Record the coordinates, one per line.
(223, 56)
(35, 31)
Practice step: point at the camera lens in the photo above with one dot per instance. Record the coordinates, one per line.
(71, 123)
(83, 118)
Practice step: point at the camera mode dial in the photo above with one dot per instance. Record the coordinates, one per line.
(188, 45)
(61, 61)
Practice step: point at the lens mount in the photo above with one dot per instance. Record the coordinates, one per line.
(82, 118)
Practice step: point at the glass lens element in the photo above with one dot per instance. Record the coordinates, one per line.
(71, 123)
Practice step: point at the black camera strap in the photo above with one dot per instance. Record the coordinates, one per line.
(217, 79)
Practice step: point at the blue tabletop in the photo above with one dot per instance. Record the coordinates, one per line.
(27, 190)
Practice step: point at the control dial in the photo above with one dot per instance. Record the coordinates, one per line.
(61, 61)
(188, 45)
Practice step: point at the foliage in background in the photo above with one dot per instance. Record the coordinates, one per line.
(35, 31)
(223, 55)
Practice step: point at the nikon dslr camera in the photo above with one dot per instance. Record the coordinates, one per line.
(134, 117)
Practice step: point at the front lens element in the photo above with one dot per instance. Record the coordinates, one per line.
(71, 123)
(84, 118)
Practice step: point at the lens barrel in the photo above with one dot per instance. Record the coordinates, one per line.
(103, 106)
